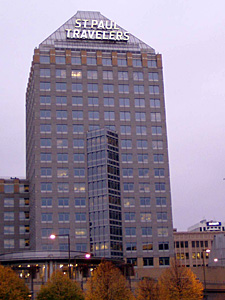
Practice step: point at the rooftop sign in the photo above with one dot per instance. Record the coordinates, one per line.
(96, 30)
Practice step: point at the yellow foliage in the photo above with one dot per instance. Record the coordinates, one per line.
(147, 289)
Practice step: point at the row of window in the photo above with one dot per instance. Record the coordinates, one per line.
(146, 231)
(10, 229)
(10, 243)
(194, 244)
(145, 217)
(94, 101)
(93, 74)
(10, 216)
(147, 246)
(93, 88)
(10, 202)
(194, 255)
(91, 60)
(80, 247)
(10, 188)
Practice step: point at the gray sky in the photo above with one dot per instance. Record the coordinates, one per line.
(191, 37)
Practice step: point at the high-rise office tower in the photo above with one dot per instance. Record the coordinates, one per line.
(97, 158)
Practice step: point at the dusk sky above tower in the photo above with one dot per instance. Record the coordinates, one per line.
(190, 37)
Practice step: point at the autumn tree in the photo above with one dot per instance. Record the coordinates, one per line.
(179, 283)
(107, 283)
(11, 286)
(147, 289)
(60, 287)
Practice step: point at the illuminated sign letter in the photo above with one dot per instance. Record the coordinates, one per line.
(77, 23)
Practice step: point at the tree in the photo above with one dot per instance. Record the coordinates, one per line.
(60, 287)
(147, 289)
(11, 286)
(179, 283)
(107, 283)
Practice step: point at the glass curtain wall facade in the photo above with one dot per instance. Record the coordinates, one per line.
(88, 76)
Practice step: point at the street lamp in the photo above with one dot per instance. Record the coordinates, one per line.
(204, 275)
(53, 236)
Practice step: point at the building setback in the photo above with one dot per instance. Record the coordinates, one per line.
(92, 82)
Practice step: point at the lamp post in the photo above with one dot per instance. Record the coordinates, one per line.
(86, 256)
(53, 236)
(204, 274)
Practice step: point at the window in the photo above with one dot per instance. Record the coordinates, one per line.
(164, 261)
(45, 86)
(144, 187)
(61, 100)
(106, 61)
(124, 116)
(130, 231)
(77, 114)
(124, 102)
(125, 129)
(62, 143)
(157, 144)
(62, 157)
(108, 75)
(156, 130)
(161, 201)
(46, 217)
(59, 73)
(143, 172)
(92, 87)
(80, 202)
(8, 243)
(46, 232)
(62, 172)
(46, 202)
(138, 76)
(108, 101)
(60, 60)
(77, 101)
(146, 231)
(76, 74)
(158, 158)
(123, 75)
(81, 247)
(148, 261)
(9, 229)
(142, 144)
(63, 187)
(154, 103)
(92, 74)
(127, 157)
(60, 86)
(77, 128)
(46, 157)
(23, 229)
(92, 101)
(109, 115)
(46, 172)
(139, 89)
(8, 202)
(46, 187)
(140, 116)
(123, 88)
(129, 216)
(76, 60)
(24, 202)
(111, 127)
(45, 100)
(80, 217)
(79, 172)
(45, 114)
(129, 202)
(93, 115)
(139, 102)
(9, 216)
(162, 231)
(91, 61)
(152, 63)
(156, 117)
(153, 76)
(154, 89)
(45, 128)
(147, 246)
(24, 243)
(79, 157)
(159, 172)
(61, 114)
(122, 62)
(64, 217)
(132, 246)
(61, 128)
(163, 246)
(142, 158)
(80, 232)
(128, 186)
(108, 88)
(141, 130)
(132, 261)
(162, 216)
(79, 187)
(137, 63)
(44, 59)
(93, 127)
(77, 87)
(146, 217)
(160, 187)
(78, 143)
(126, 144)
(45, 73)
(64, 231)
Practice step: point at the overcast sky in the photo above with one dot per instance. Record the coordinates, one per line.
(191, 37)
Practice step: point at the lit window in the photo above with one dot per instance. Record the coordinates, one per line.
(79, 187)
(144, 187)
(146, 217)
(164, 261)
(129, 202)
(147, 246)
(76, 74)
(62, 172)
(162, 231)
(80, 232)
